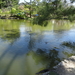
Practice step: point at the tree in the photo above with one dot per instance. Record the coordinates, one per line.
(48, 9)
(7, 3)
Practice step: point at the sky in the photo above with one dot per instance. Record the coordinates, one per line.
(29, 1)
(20, 1)
(23, 1)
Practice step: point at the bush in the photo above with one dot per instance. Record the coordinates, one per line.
(0, 11)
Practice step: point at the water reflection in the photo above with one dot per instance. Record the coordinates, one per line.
(51, 57)
(9, 31)
(26, 49)
(70, 45)
(42, 59)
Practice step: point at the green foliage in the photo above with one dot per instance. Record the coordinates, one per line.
(46, 9)
(54, 9)
(13, 10)
(43, 13)
(0, 11)
(7, 3)
(21, 15)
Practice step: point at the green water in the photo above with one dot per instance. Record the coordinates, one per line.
(25, 49)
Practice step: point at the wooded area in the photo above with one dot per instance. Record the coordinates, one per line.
(39, 10)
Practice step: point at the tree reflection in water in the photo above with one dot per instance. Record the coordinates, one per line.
(10, 35)
(69, 44)
(50, 59)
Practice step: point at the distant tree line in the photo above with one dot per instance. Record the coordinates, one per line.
(45, 9)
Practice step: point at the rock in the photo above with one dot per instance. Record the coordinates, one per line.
(66, 67)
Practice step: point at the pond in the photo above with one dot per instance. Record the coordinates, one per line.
(25, 49)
